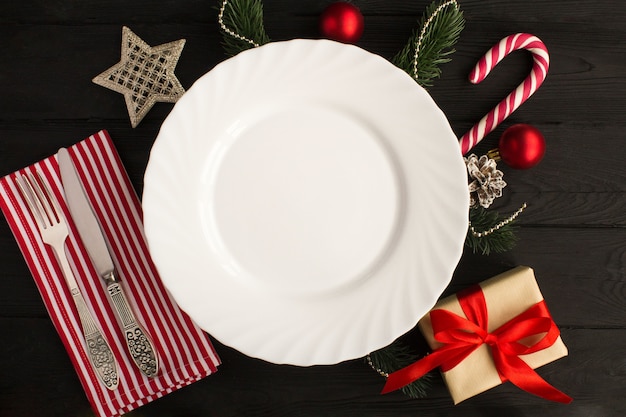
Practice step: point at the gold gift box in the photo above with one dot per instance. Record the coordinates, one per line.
(507, 295)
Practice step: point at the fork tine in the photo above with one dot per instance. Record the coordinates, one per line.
(42, 201)
(53, 209)
(32, 201)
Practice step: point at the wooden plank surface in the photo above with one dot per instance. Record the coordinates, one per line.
(573, 233)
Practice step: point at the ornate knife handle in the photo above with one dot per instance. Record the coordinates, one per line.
(138, 342)
(98, 350)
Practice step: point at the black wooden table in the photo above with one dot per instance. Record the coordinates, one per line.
(573, 233)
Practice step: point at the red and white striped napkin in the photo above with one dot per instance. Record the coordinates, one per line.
(185, 352)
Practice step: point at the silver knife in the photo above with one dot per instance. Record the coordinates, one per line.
(138, 341)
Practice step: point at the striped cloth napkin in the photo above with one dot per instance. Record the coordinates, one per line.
(185, 352)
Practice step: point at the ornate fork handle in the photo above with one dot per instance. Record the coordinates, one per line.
(98, 349)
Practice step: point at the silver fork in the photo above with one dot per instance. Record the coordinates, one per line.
(53, 228)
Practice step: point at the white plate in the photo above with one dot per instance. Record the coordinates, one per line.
(306, 202)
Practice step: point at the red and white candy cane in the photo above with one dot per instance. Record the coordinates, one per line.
(516, 97)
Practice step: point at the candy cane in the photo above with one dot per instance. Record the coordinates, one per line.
(516, 97)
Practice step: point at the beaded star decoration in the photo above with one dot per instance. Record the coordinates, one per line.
(144, 74)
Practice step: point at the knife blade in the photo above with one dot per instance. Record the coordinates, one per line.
(138, 342)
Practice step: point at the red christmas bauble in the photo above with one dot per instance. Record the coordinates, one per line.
(342, 22)
(522, 146)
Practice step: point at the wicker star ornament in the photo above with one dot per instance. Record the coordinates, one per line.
(144, 74)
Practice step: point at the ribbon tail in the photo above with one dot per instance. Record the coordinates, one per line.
(523, 376)
(416, 370)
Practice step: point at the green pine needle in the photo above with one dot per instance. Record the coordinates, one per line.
(396, 356)
(437, 44)
(499, 241)
(245, 18)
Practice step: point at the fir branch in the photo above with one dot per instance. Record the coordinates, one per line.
(242, 25)
(440, 28)
(501, 240)
(394, 357)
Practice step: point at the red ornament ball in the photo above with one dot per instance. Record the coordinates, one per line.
(342, 22)
(522, 146)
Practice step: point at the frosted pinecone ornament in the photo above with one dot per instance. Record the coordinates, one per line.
(485, 178)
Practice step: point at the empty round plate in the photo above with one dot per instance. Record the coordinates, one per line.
(306, 202)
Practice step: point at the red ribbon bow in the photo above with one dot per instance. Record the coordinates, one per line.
(461, 336)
